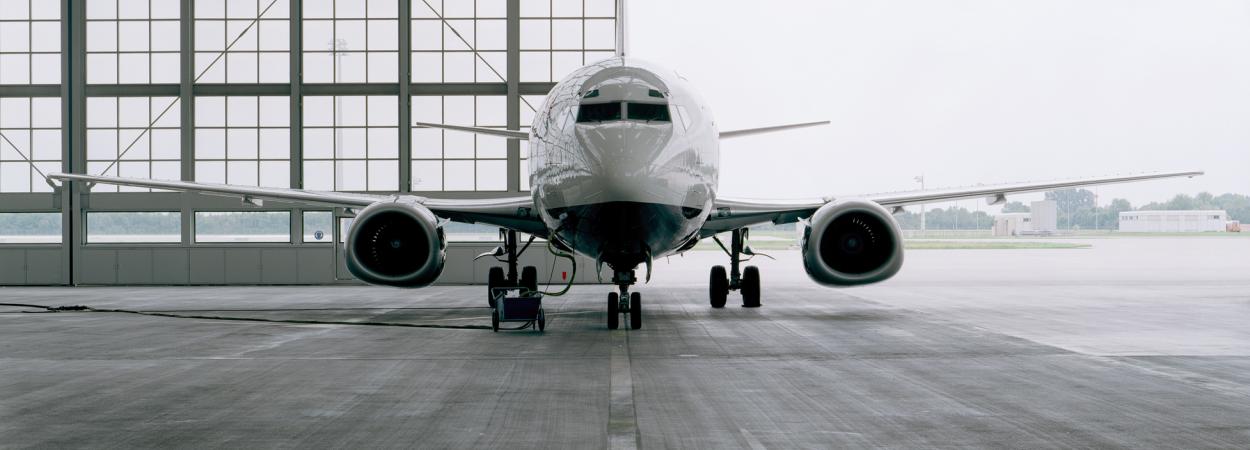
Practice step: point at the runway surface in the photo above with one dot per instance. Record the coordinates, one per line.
(1133, 343)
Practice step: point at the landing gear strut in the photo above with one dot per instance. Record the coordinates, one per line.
(508, 253)
(746, 281)
(624, 302)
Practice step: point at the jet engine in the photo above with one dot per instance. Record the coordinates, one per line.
(852, 242)
(396, 244)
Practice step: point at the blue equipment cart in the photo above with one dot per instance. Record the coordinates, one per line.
(513, 305)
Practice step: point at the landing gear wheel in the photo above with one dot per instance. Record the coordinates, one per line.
(494, 279)
(494, 320)
(529, 278)
(635, 311)
(542, 320)
(614, 313)
(718, 287)
(751, 287)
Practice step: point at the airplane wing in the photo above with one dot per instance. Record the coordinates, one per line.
(731, 214)
(516, 213)
(762, 130)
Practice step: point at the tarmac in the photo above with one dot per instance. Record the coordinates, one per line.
(1132, 343)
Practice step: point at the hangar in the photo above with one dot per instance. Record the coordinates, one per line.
(316, 94)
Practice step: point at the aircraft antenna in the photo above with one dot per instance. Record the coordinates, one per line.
(620, 28)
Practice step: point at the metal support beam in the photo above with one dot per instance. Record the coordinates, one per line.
(297, 95)
(405, 96)
(186, 107)
(514, 93)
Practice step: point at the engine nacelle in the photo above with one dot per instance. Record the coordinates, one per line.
(396, 244)
(852, 242)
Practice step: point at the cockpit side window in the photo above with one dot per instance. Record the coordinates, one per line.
(650, 112)
(598, 112)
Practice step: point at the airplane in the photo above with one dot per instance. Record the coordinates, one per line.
(624, 161)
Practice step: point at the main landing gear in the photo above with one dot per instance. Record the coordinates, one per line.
(747, 280)
(624, 302)
(497, 282)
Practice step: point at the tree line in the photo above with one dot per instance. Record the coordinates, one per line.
(1076, 210)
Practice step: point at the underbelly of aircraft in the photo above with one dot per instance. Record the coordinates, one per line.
(624, 234)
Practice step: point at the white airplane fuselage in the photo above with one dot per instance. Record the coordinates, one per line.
(624, 159)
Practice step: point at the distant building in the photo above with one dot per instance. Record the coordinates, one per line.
(1013, 224)
(1173, 221)
(1045, 216)
(1042, 218)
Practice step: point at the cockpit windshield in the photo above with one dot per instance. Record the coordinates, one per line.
(598, 112)
(650, 112)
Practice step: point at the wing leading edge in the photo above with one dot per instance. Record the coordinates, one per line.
(516, 213)
(730, 214)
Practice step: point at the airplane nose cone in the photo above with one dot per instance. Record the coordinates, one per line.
(623, 149)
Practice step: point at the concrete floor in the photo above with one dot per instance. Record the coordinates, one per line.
(1132, 343)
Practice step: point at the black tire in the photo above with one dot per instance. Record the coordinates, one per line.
(494, 279)
(542, 320)
(718, 287)
(529, 278)
(751, 287)
(635, 311)
(614, 314)
(494, 320)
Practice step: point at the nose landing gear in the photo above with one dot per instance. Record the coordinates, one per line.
(508, 253)
(624, 302)
(746, 281)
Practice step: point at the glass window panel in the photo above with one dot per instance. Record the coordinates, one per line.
(427, 175)
(135, 49)
(535, 8)
(260, 40)
(31, 127)
(242, 226)
(383, 67)
(134, 227)
(383, 35)
(566, 34)
(275, 173)
(459, 175)
(318, 226)
(566, 8)
(458, 9)
(358, 152)
(600, 8)
(458, 35)
(242, 138)
(492, 8)
(30, 228)
(319, 175)
(492, 175)
(535, 34)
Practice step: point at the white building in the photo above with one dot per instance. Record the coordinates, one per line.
(1013, 224)
(1173, 221)
(1042, 218)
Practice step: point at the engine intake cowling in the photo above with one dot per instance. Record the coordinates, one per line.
(396, 244)
(852, 242)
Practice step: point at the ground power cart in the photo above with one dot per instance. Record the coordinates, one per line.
(516, 305)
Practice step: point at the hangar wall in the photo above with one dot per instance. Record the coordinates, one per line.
(313, 94)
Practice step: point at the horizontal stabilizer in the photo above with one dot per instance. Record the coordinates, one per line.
(775, 128)
(510, 134)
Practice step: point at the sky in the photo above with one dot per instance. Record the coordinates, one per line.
(964, 92)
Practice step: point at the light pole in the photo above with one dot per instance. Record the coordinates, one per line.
(920, 179)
